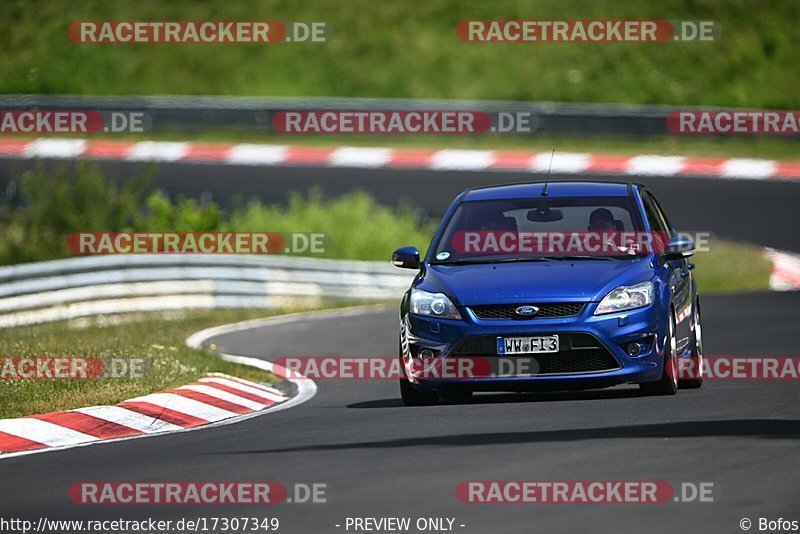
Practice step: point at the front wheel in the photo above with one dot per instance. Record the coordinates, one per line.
(696, 379)
(668, 383)
(410, 395)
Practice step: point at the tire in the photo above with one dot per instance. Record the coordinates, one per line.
(697, 353)
(668, 383)
(415, 397)
(412, 396)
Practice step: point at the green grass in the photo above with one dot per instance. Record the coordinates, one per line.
(157, 338)
(357, 226)
(731, 267)
(409, 49)
(58, 202)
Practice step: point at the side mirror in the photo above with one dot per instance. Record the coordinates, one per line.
(406, 258)
(679, 247)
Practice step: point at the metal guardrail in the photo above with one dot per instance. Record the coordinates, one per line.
(98, 285)
(195, 113)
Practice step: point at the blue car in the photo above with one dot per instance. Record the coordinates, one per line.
(546, 317)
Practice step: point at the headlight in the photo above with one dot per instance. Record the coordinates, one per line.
(626, 298)
(432, 305)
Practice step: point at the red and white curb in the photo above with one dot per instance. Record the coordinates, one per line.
(212, 399)
(785, 270)
(364, 157)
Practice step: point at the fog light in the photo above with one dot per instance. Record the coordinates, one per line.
(635, 348)
(426, 354)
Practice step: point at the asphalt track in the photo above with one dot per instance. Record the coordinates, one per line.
(381, 459)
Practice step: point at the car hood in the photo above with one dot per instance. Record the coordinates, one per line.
(530, 282)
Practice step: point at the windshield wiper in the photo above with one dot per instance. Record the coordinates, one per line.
(515, 259)
(586, 257)
(525, 258)
(469, 261)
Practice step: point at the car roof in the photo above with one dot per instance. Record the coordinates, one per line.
(555, 189)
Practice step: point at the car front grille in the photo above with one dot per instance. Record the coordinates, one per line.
(579, 353)
(546, 311)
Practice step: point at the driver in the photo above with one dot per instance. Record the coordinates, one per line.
(601, 220)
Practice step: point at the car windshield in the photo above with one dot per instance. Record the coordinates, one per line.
(541, 229)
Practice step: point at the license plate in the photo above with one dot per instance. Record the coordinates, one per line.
(527, 345)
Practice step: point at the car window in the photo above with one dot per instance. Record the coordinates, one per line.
(576, 218)
(655, 219)
(551, 215)
(661, 212)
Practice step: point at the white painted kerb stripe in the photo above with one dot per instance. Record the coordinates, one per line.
(55, 148)
(129, 418)
(246, 154)
(186, 405)
(43, 432)
(360, 157)
(266, 395)
(157, 151)
(566, 162)
(655, 165)
(224, 395)
(264, 387)
(748, 168)
(461, 160)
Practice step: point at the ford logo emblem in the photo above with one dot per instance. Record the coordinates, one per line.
(527, 310)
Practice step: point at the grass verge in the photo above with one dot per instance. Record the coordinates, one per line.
(156, 338)
(732, 267)
(410, 49)
(54, 203)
